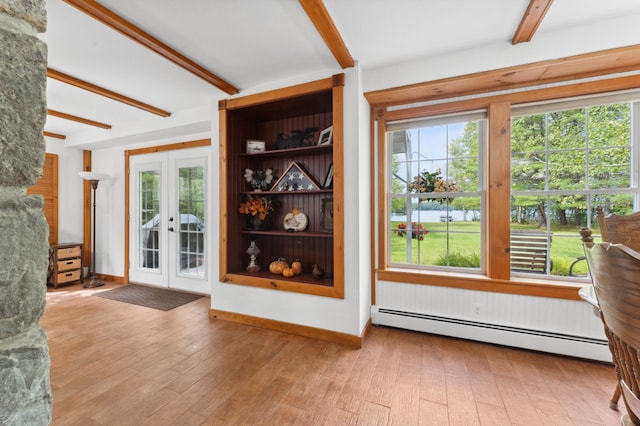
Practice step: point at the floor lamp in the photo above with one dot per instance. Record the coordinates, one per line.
(94, 178)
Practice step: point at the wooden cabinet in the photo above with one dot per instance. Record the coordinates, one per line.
(65, 264)
(270, 117)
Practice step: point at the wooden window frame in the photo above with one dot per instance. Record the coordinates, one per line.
(498, 105)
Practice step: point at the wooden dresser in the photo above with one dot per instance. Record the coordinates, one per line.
(65, 264)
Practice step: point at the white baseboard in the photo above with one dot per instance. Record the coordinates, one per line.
(576, 346)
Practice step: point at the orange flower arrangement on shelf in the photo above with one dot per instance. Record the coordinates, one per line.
(259, 206)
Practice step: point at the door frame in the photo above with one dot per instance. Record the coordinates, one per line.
(141, 151)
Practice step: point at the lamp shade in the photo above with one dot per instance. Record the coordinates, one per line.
(93, 176)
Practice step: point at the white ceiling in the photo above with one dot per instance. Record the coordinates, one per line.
(251, 43)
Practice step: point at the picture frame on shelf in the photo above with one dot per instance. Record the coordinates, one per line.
(328, 180)
(326, 216)
(255, 146)
(326, 136)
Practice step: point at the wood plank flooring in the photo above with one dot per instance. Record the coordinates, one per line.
(114, 363)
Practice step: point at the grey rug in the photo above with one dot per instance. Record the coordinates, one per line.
(150, 297)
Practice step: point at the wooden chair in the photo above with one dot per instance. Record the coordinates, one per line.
(615, 271)
(620, 229)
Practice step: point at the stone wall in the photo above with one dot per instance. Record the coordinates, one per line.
(25, 394)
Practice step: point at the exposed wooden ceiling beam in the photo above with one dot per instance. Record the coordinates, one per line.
(126, 28)
(78, 119)
(320, 17)
(65, 78)
(54, 135)
(531, 20)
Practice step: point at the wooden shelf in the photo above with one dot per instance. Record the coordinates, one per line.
(300, 234)
(304, 150)
(319, 191)
(267, 116)
(302, 278)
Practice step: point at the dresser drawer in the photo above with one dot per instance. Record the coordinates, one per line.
(67, 252)
(65, 265)
(64, 277)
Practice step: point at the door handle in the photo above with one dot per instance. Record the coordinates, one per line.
(171, 229)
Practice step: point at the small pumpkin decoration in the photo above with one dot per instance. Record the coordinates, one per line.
(297, 267)
(288, 272)
(277, 266)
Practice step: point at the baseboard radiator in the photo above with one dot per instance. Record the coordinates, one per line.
(556, 343)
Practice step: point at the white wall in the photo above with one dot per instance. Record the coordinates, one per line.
(70, 191)
(347, 315)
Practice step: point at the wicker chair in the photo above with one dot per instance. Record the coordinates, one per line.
(615, 271)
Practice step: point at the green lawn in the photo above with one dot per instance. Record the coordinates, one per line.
(464, 243)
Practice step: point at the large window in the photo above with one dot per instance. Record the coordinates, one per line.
(435, 192)
(567, 158)
(503, 198)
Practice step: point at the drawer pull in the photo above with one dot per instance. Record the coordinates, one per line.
(69, 274)
(70, 262)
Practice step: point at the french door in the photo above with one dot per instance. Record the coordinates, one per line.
(168, 210)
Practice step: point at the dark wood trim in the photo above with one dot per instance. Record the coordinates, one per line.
(320, 17)
(70, 117)
(90, 87)
(126, 28)
(577, 67)
(531, 20)
(297, 329)
(54, 135)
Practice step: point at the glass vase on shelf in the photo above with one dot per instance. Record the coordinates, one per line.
(253, 251)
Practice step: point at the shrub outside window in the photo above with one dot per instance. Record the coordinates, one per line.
(565, 161)
(435, 193)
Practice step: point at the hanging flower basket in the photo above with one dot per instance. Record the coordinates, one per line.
(427, 182)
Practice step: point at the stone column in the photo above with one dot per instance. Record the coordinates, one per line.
(25, 392)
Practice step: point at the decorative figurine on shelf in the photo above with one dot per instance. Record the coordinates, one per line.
(298, 139)
(317, 272)
(258, 179)
(253, 251)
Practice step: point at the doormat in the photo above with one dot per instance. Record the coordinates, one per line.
(150, 297)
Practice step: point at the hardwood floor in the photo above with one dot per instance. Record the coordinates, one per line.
(114, 363)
